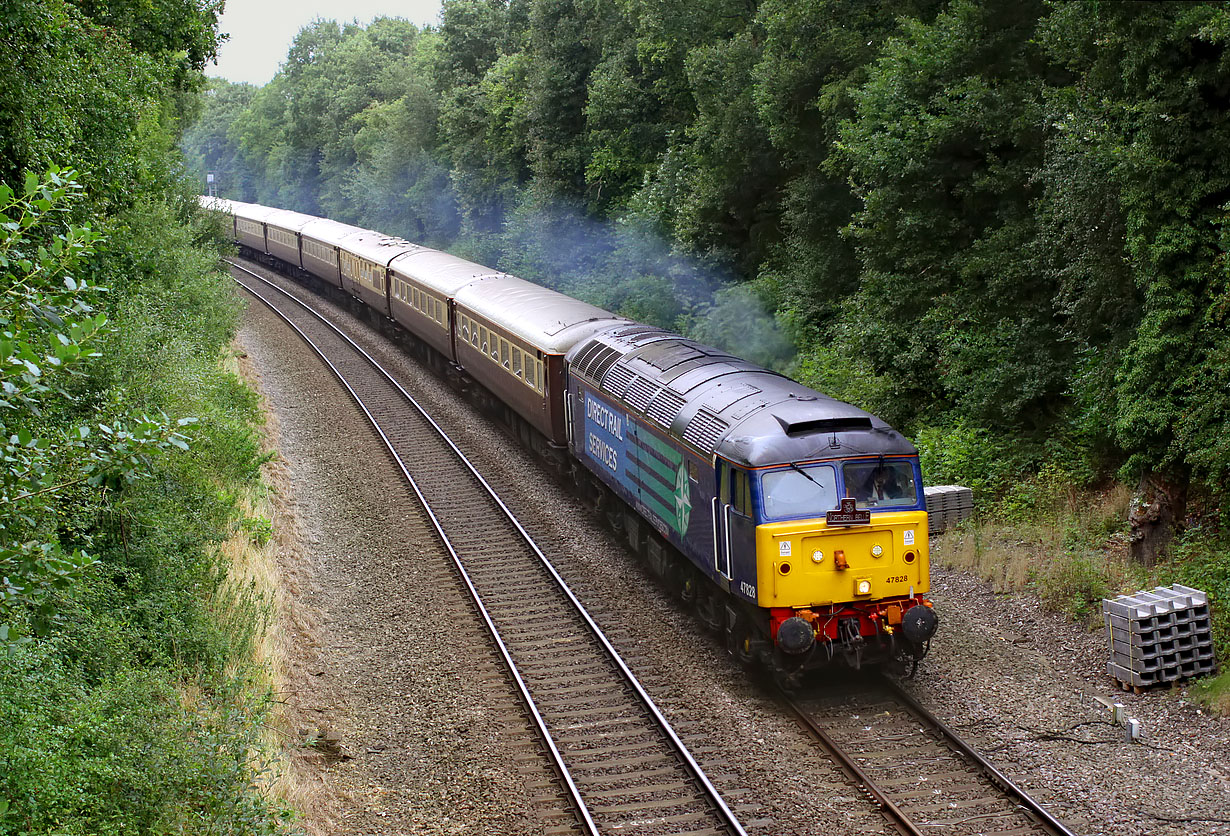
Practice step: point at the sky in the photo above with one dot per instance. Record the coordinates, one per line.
(261, 31)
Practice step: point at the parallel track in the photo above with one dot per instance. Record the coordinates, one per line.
(924, 778)
(622, 765)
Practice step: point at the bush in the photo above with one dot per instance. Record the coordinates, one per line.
(1201, 559)
(1074, 583)
(136, 709)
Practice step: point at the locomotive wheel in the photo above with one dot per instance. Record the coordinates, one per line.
(742, 642)
(688, 584)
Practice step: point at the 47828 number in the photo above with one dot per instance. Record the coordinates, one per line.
(897, 579)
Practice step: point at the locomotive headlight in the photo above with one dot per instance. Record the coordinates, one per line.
(877, 550)
(817, 557)
(862, 586)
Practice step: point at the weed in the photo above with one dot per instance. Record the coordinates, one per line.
(259, 529)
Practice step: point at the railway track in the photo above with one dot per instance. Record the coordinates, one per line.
(916, 771)
(620, 764)
(924, 778)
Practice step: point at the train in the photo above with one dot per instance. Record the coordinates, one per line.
(794, 524)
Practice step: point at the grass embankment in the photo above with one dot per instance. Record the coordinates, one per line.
(147, 704)
(1070, 548)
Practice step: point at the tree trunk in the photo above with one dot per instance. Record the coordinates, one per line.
(1159, 505)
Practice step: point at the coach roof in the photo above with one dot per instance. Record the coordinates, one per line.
(544, 318)
(440, 271)
(377, 247)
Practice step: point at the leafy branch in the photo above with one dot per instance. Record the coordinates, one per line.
(50, 331)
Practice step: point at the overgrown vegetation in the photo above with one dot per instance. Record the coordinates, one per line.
(129, 699)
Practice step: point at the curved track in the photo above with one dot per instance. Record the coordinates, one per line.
(924, 778)
(621, 764)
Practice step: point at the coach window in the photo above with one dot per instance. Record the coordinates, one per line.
(504, 353)
(516, 361)
(473, 333)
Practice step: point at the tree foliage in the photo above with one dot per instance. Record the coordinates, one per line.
(1007, 217)
(127, 702)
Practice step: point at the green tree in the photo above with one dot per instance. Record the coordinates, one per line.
(1148, 121)
(50, 330)
(942, 153)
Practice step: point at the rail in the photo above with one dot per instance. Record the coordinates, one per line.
(475, 556)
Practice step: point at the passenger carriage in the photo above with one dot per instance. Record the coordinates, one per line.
(282, 235)
(511, 335)
(364, 257)
(320, 245)
(422, 287)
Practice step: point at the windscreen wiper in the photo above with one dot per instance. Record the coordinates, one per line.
(806, 475)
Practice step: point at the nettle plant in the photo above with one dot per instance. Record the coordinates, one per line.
(50, 331)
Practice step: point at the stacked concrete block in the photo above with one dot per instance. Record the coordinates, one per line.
(1157, 636)
(947, 505)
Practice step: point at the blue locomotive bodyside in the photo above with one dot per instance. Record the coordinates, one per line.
(672, 487)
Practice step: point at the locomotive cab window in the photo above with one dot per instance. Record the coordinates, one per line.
(798, 491)
(881, 484)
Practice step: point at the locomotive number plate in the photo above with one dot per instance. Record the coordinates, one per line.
(848, 514)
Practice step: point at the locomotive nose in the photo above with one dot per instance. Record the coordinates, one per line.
(919, 624)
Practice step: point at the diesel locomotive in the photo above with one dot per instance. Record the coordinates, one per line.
(793, 523)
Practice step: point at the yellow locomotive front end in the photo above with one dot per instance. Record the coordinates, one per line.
(842, 560)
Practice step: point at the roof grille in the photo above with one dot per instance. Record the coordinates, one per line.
(618, 379)
(665, 407)
(640, 393)
(705, 430)
(602, 362)
(586, 354)
(595, 359)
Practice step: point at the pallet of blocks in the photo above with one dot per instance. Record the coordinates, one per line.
(1158, 636)
(947, 505)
